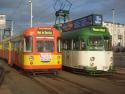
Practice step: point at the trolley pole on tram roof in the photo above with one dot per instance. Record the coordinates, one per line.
(31, 13)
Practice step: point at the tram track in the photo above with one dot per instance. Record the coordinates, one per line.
(116, 79)
(98, 86)
(82, 86)
(64, 83)
(49, 78)
(44, 85)
(59, 85)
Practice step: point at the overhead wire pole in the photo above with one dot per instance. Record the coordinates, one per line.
(12, 31)
(31, 13)
(10, 27)
(113, 16)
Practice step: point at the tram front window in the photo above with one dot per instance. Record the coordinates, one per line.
(45, 46)
(95, 42)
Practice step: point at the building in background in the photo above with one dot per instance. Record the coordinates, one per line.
(2, 21)
(2, 25)
(6, 27)
(117, 31)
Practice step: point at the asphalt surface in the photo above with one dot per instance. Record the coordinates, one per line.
(16, 82)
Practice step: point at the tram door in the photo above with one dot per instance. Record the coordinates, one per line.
(67, 53)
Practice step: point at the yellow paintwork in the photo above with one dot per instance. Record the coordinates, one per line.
(0, 46)
(36, 60)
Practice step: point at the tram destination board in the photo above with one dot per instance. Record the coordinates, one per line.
(93, 19)
(44, 32)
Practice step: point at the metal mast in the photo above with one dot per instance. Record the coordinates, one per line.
(62, 8)
(113, 16)
(31, 13)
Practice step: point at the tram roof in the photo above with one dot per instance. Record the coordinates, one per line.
(30, 31)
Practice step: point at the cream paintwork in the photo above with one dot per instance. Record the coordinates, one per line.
(79, 59)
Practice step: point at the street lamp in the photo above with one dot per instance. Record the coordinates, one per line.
(31, 13)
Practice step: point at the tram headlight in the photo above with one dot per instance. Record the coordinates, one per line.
(92, 58)
(92, 64)
(31, 58)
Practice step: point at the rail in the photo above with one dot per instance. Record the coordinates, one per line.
(2, 73)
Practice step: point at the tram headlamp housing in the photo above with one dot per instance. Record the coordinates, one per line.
(91, 64)
(31, 58)
(92, 58)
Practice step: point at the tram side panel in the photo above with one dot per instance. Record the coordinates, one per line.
(5, 51)
(88, 60)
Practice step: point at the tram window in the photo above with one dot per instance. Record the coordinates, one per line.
(76, 44)
(45, 46)
(95, 40)
(69, 45)
(82, 45)
(6, 45)
(64, 44)
(59, 45)
(16, 46)
(21, 45)
(28, 44)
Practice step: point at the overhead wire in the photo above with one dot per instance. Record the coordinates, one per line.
(17, 8)
(17, 11)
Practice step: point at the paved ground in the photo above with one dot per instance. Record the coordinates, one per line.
(65, 83)
(121, 70)
(16, 83)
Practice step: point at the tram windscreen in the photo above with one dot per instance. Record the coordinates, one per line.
(95, 42)
(45, 46)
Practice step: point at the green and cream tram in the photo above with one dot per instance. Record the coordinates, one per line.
(87, 48)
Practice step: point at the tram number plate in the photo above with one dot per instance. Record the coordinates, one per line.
(45, 57)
